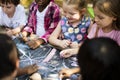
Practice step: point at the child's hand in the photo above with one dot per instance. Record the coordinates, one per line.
(33, 36)
(66, 53)
(9, 32)
(31, 69)
(69, 52)
(65, 72)
(23, 36)
(35, 43)
(16, 30)
(35, 76)
(65, 43)
(32, 44)
(25, 39)
(74, 45)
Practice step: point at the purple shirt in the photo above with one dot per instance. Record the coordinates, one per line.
(51, 19)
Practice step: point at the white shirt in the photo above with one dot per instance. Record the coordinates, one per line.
(18, 19)
(40, 30)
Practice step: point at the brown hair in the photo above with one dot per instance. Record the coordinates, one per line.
(110, 8)
(80, 3)
(15, 2)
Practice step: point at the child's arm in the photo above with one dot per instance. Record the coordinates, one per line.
(23, 36)
(53, 39)
(92, 31)
(68, 72)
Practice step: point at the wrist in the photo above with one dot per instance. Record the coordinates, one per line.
(40, 41)
(59, 42)
(76, 70)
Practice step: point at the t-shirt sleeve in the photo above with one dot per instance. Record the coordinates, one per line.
(0, 16)
(92, 32)
(22, 15)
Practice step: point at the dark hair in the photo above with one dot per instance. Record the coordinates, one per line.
(110, 8)
(7, 62)
(15, 2)
(99, 59)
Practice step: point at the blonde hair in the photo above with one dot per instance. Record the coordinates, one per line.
(79, 3)
(110, 8)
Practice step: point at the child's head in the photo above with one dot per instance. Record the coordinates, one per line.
(15, 2)
(8, 57)
(8, 6)
(107, 13)
(74, 9)
(99, 59)
(42, 2)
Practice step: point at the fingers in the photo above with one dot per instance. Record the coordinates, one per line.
(25, 39)
(7, 29)
(32, 44)
(65, 43)
(31, 68)
(34, 66)
(74, 45)
(24, 34)
(65, 53)
(62, 74)
(34, 69)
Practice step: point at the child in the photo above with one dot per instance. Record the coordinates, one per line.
(99, 59)
(43, 18)
(73, 27)
(9, 60)
(107, 20)
(12, 15)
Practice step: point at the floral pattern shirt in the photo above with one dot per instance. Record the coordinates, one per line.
(75, 34)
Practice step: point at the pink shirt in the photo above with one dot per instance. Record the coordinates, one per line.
(114, 34)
